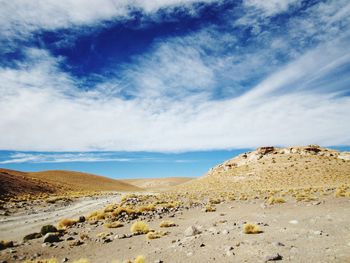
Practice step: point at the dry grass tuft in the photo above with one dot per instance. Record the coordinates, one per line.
(275, 200)
(167, 223)
(140, 259)
(66, 223)
(139, 227)
(209, 208)
(114, 224)
(251, 229)
(155, 234)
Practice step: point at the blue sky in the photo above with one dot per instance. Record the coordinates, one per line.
(169, 79)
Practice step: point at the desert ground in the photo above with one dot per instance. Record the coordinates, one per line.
(273, 204)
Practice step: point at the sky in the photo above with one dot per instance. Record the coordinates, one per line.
(169, 87)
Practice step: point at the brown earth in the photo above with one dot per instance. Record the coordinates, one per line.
(16, 183)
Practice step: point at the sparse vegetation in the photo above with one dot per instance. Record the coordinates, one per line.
(275, 200)
(251, 229)
(66, 223)
(155, 234)
(167, 223)
(114, 224)
(140, 259)
(139, 227)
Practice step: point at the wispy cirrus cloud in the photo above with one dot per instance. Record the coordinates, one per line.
(237, 85)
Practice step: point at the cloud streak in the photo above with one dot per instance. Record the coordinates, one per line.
(205, 90)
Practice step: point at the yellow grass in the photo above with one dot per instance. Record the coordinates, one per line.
(140, 259)
(251, 229)
(139, 227)
(66, 223)
(155, 234)
(114, 224)
(167, 223)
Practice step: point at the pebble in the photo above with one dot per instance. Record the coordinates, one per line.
(294, 222)
(273, 257)
(64, 260)
(192, 231)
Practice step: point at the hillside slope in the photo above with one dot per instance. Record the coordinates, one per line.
(277, 168)
(157, 183)
(16, 183)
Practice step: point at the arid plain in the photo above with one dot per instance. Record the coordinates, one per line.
(272, 204)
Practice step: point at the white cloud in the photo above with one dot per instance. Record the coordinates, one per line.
(172, 108)
(271, 7)
(20, 17)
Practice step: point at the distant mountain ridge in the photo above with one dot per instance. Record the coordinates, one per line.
(14, 183)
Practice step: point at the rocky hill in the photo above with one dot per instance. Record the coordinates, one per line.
(269, 168)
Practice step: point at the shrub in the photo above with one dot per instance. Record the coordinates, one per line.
(251, 229)
(275, 200)
(115, 224)
(48, 229)
(66, 222)
(139, 227)
(167, 223)
(140, 259)
(209, 208)
(155, 234)
(146, 208)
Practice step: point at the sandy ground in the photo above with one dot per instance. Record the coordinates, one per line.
(318, 231)
(30, 218)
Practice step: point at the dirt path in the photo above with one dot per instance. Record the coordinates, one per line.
(15, 227)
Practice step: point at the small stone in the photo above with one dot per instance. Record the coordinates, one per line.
(202, 245)
(70, 238)
(32, 236)
(51, 237)
(273, 257)
(64, 260)
(48, 229)
(278, 244)
(225, 232)
(158, 261)
(318, 233)
(82, 219)
(192, 231)
(294, 222)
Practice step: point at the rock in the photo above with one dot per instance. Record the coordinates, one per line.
(202, 245)
(273, 257)
(318, 233)
(81, 219)
(294, 222)
(70, 238)
(225, 232)
(48, 229)
(278, 244)
(158, 261)
(192, 231)
(64, 260)
(51, 237)
(32, 236)
(229, 251)
(76, 243)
